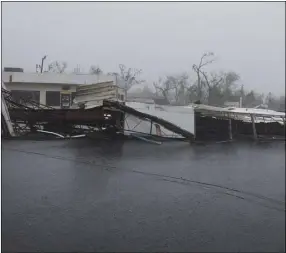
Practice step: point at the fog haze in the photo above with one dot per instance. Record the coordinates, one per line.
(159, 38)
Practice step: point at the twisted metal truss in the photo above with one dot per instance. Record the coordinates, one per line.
(22, 103)
(26, 105)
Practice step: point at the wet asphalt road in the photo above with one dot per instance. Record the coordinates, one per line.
(83, 195)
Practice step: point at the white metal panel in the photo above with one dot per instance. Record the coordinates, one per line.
(133, 123)
(96, 85)
(241, 111)
(256, 111)
(178, 115)
(94, 94)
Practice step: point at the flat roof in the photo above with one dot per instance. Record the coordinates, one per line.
(56, 78)
(238, 111)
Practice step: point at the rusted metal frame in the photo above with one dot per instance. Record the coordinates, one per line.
(164, 134)
(25, 102)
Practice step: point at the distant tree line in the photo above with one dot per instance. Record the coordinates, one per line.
(210, 88)
(130, 76)
(213, 88)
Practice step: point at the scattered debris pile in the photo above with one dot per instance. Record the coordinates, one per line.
(106, 117)
(29, 117)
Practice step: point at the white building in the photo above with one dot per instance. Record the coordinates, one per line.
(52, 89)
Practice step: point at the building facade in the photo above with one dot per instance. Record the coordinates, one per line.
(51, 89)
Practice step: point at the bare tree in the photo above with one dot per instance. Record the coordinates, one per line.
(212, 87)
(57, 67)
(219, 87)
(253, 99)
(205, 60)
(230, 85)
(191, 92)
(161, 88)
(281, 103)
(180, 85)
(130, 76)
(273, 102)
(173, 87)
(95, 70)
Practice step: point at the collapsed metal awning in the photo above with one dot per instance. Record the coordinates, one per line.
(166, 124)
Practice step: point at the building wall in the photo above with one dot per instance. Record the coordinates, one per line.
(63, 78)
(43, 88)
(44, 82)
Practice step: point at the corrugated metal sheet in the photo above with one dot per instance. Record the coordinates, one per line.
(178, 115)
(238, 111)
(262, 112)
(95, 94)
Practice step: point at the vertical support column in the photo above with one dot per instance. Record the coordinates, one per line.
(122, 121)
(230, 129)
(253, 127)
(43, 97)
(195, 125)
(151, 127)
(284, 122)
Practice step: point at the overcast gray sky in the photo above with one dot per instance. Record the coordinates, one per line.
(160, 38)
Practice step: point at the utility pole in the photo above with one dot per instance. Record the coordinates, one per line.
(42, 65)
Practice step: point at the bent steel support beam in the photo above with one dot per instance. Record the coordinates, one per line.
(168, 125)
(5, 113)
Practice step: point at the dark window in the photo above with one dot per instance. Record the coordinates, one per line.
(9, 69)
(25, 94)
(53, 98)
(120, 96)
